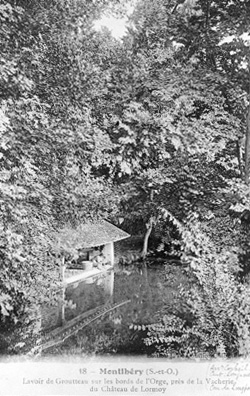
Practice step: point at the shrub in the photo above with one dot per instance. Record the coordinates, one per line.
(218, 305)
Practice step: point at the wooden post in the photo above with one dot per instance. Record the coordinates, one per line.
(62, 269)
(112, 282)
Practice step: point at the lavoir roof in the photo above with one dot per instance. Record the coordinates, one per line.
(90, 235)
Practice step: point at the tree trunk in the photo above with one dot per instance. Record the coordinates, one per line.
(149, 226)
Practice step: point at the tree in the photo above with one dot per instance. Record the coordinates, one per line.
(221, 45)
(164, 110)
(48, 149)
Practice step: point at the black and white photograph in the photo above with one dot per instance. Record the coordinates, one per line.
(124, 197)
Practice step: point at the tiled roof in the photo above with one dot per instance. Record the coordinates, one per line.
(90, 235)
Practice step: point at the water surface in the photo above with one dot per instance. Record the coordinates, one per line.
(150, 291)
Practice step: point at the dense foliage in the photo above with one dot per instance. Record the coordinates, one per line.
(210, 178)
(214, 318)
(128, 130)
(48, 148)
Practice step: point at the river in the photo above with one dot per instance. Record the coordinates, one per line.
(146, 292)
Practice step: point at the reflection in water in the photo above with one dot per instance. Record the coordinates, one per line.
(150, 291)
(89, 294)
(79, 297)
(146, 288)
